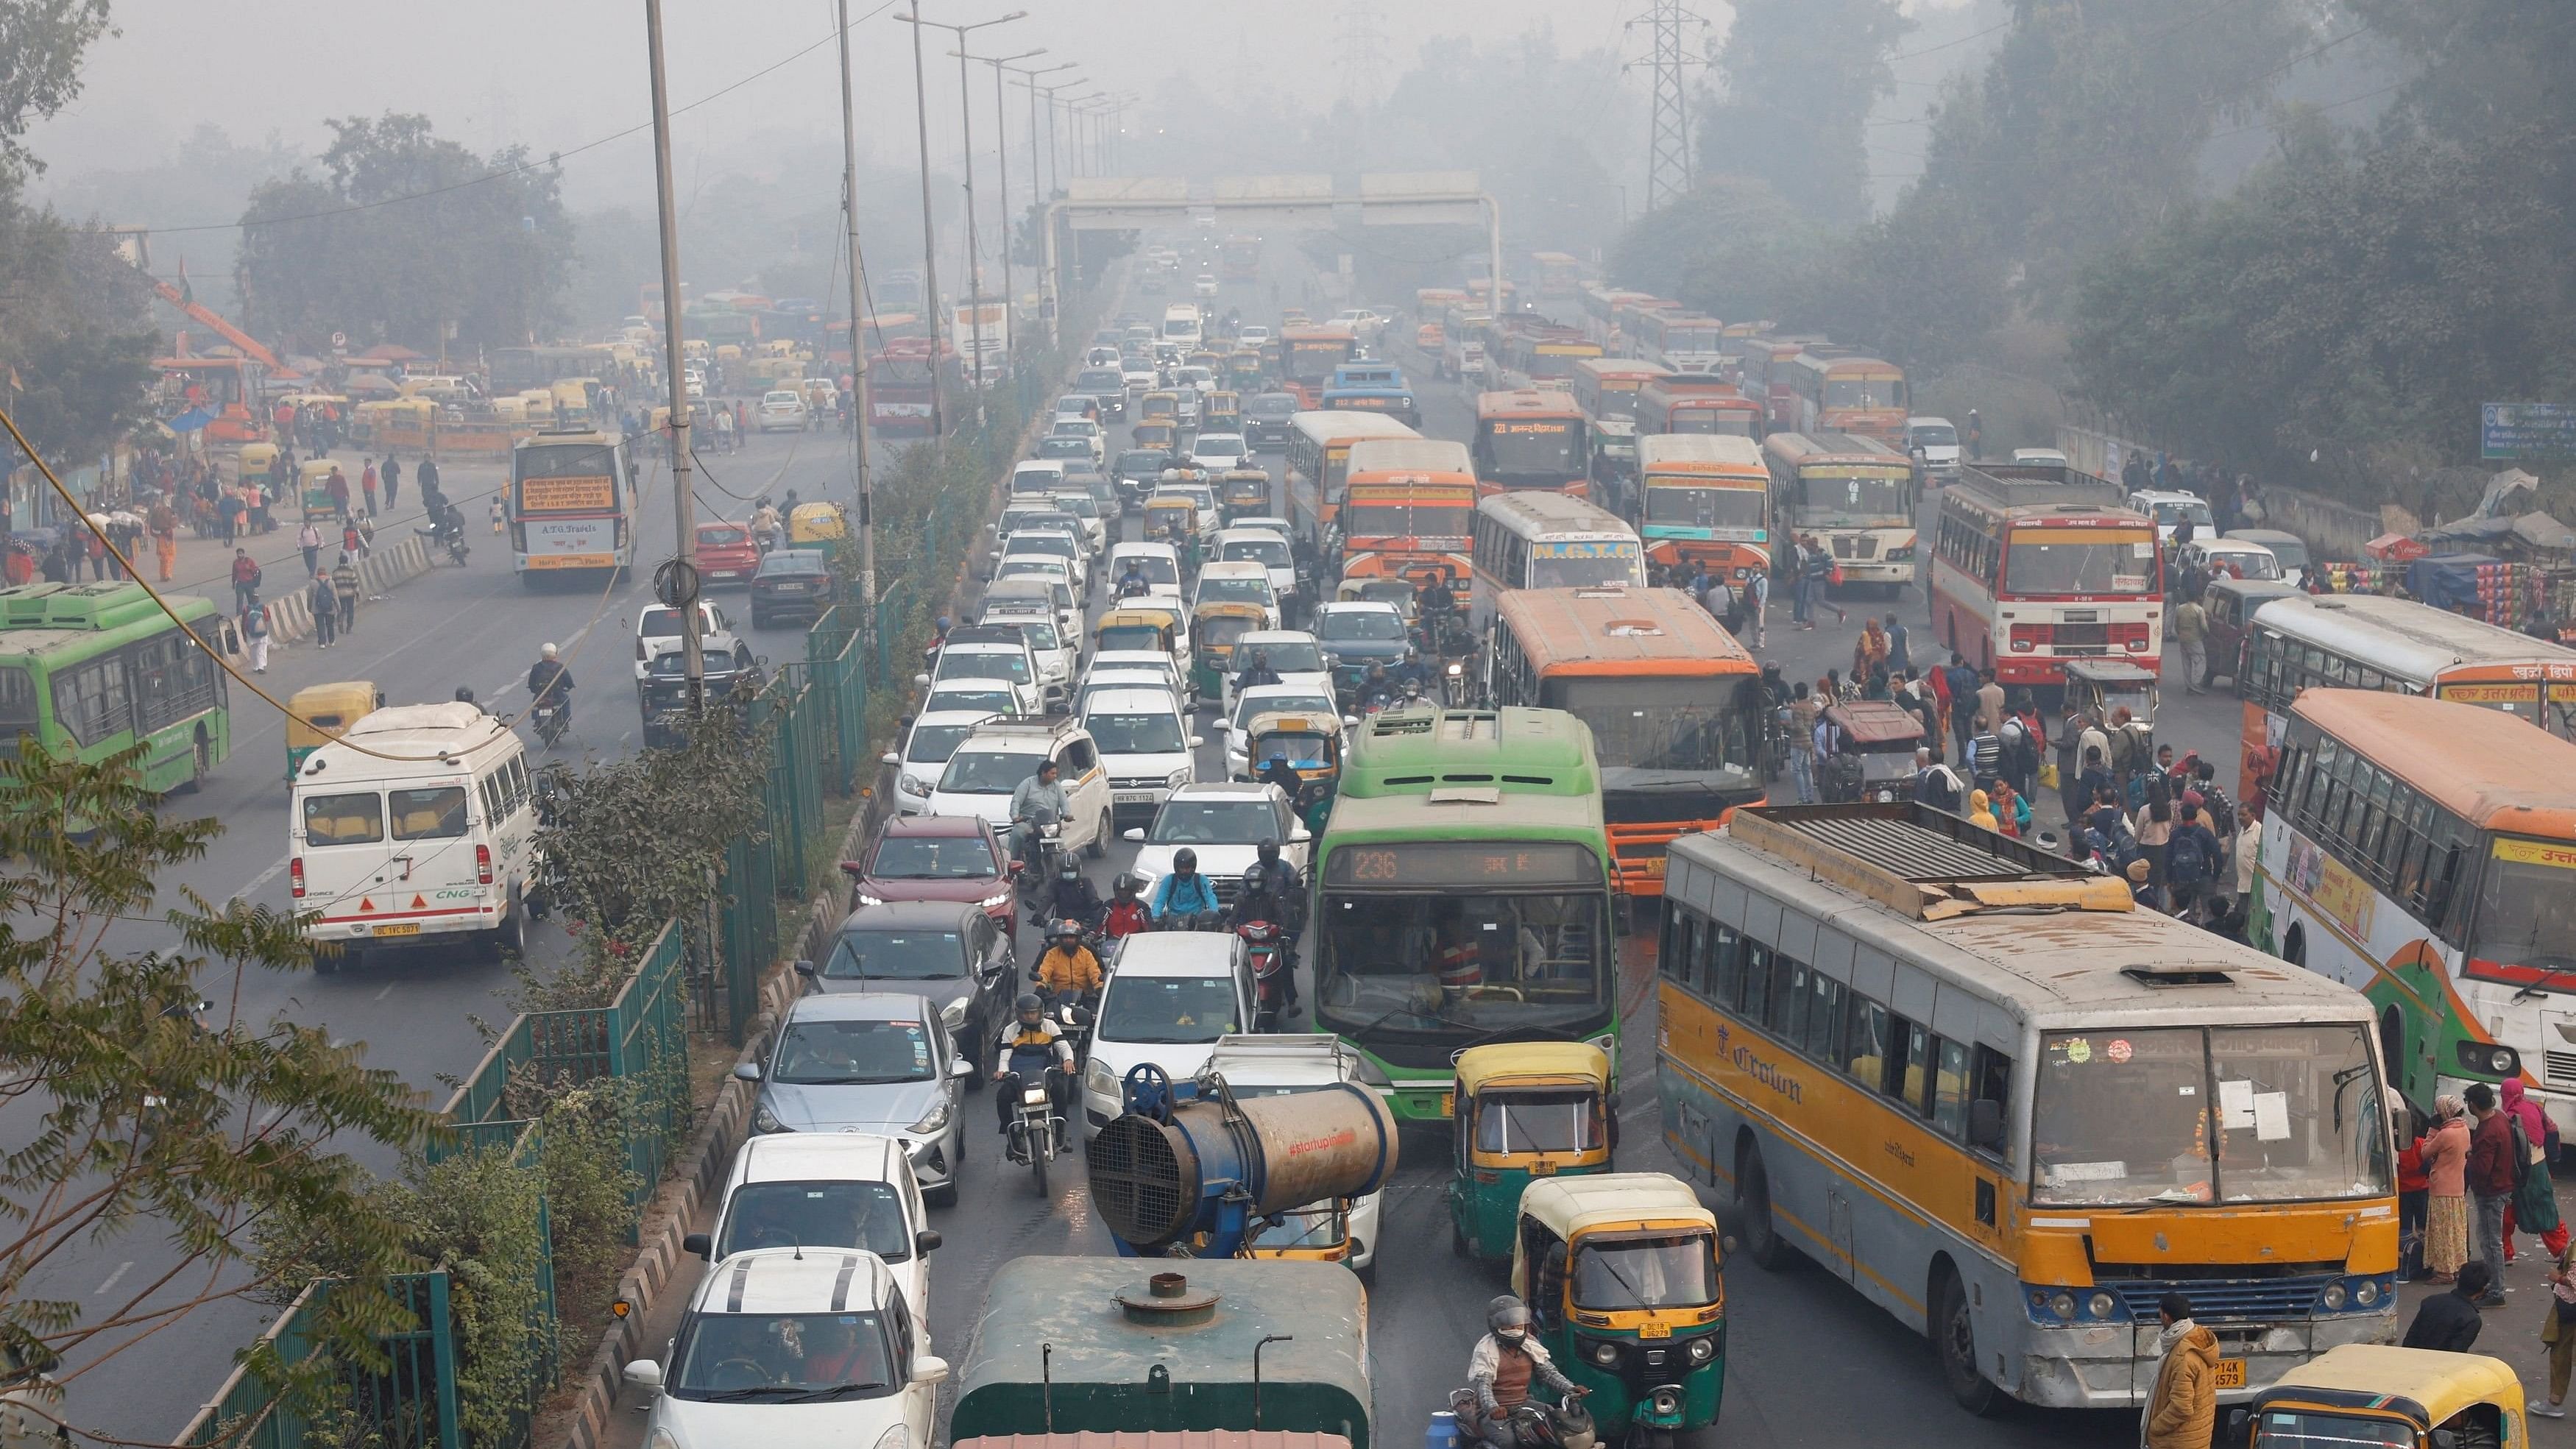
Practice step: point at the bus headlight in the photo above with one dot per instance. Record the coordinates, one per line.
(2102, 1305)
(2333, 1297)
(2368, 1293)
(2062, 1304)
(2488, 1059)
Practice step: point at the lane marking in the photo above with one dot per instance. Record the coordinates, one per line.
(261, 879)
(121, 1269)
(388, 991)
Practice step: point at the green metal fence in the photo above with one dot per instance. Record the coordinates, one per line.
(835, 655)
(411, 1404)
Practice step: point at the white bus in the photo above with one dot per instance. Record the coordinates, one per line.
(1544, 540)
(1970, 1079)
(571, 508)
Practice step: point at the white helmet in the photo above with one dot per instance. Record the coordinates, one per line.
(548, 651)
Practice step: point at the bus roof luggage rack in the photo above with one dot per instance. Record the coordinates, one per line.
(2020, 485)
(1923, 863)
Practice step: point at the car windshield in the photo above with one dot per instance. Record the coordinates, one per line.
(1553, 1121)
(1359, 624)
(896, 956)
(1031, 568)
(659, 624)
(796, 562)
(1218, 446)
(1270, 405)
(1267, 550)
(1290, 656)
(2173, 511)
(1041, 633)
(1675, 1270)
(722, 535)
(959, 663)
(2281, 1428)
(1167, 1010)
(1233, 591)
(1157, 568)
(1137, 734)
(782, 1358)
(858, 1214)
(932, 744)
(1235, 820)
(932, 857)
(1317, 1227)
(1935, 435)
(985, 772)
(2130, 1117)
(1054, 544)
(2079, 561)
(1063, 447)
(1248, 705)
(780, 399)
(966, 697)
(853, 1053)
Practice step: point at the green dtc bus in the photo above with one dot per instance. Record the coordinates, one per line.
(93, 668)
(1462, 895)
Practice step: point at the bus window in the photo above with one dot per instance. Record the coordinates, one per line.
(1950, 1091)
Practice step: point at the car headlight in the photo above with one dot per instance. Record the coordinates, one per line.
(1605, 1353)
(1098, 1078)
(1178, 778)
(662, 1439)
(995, 901)
(2333, 1297)
(936, 1122)
(764, 1120)
(914, 785)
(896, 1436)
(1701, 1350)
(868, 900)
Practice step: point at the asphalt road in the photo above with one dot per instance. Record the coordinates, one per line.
(1811, 1363)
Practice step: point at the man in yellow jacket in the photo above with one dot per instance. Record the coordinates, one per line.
(1068, 967)
(2182, 1412)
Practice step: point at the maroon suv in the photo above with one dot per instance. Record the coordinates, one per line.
(726, 554)
(936, 858)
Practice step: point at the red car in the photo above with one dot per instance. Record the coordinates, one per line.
(936, 858)
(726, 554)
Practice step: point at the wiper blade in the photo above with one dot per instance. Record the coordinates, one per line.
(833, 1391)
(736, 1396)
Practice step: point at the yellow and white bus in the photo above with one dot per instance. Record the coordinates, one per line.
(2423, 852)
(1538, 540)
(1970, 1079)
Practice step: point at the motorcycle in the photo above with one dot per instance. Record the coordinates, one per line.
(1073, 1012)
(550, 717)
(1565, 1424)
(449, 534)
(1036, 1131)
(1266, 943)
(1045, 845)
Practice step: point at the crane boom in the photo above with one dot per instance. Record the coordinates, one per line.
(249, 346)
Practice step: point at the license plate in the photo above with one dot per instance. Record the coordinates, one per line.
(399, 928)
(1131, 797)
(1665, 1330)
(2231, 1373)
(1654, 868)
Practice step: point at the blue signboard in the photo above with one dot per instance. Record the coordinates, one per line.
(2526, 430)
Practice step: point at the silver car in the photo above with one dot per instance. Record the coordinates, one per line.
(869, 1062)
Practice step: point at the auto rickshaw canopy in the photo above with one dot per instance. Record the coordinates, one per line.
(1606, 1202)
(815, 523)
(1164, 509)
(1876, 725)
(2099, 686)
(1533, 1064)
(1164, 620)
(1217, 623)
(1242, 487)
(2424, 1387)
(1162, 403)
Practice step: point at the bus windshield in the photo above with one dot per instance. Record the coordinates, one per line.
(1448, 967)
(2128, 1116)
(1400, 520)
(2527, 909)
(1681, 506)
(1829, 502)
(1589, 567)
(1533, 448)
(2079, 561)
(1676, 735)
(1872, 392)
(1712, 422)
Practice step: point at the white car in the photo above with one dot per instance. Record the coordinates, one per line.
(1236, 583)
(1160, 563)
(1364, 324)
(2169, 509)
(1937, 441)
(1251, 336)
(1199, 380)
(982, 698)
(1037, 478)
(1295, 657)
(997, 653)
(1053, 570)
(1217, 452)
(1095, 525)
(1162, 666)
(990, 765)
(825, 1190)
(823, 393)
(1059, 542)
(1240, 544)
(694, 386)
(1171, 995)
(1085, 429)
(792, 1346)
(1139, 373)
(1098, 682)
(1054, 649)
(1204, 285)
(1102, 356)
(1283, 1064)
(1145, 745)
(934, 736)
(1268, 699)
(657, 631)
(1225, 822)
(782, 411)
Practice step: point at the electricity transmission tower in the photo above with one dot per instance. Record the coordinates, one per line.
(1360, 45)
(1668, 138)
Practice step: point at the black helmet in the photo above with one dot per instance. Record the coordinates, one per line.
(1068, 867)
(464, 695)
(1185, 860)
(1064, 929)
(1028, 1003)
(1268, 850)
(1507, 1312)
(1128, 883)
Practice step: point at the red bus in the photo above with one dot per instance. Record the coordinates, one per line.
(2035, 564)
(1531, 438)
(902, 387)
(1764, 375)
(1697, 404)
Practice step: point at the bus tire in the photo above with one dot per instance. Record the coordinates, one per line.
(1954, 1338)
(201, 762)
(1762, 1241)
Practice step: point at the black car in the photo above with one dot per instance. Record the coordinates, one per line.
(664, 693)
(1267, 417)
(949, 953)
(1108, 385)
(793, 583)
(1138, 471)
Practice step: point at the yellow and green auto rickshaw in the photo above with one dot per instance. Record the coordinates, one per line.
(1522, 1111)
(1626, 1289)
(1161, 403)
(1173, 518)
(1128, 628)
(1243, 369)
(1316, 1233)
(816, 526)
(1209, 358)
(257, 463)
(1221, 412)
(1214, 627)
(2371, 1393)
(313, 488)
(1160, 435)
(1243, 493)
(320, 713)
(1311, 744)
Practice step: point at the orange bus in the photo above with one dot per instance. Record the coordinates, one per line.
(1674, 703)
(1842, 392)
(1408, 507)
(1559, 275)
(1706, 500)
(1606, 387)
(1697, 404)
(1531, 437)
(1763, 375)
(1308, 355)
(1318, 464)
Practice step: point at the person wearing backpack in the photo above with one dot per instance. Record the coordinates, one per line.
(2153, 824)
(2191, 863)
(2534, 1208)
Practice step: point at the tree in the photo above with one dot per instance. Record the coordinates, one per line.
(1921, 289)
(41, 44)
(1801, 77)
(404, 237)
(147, 1114)
(77, 333)
(1733, 247)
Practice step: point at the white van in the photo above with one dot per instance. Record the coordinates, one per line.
(1037, 478)
(1181, 324)
(436, 843)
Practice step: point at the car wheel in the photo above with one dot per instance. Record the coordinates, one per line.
(1099, 843)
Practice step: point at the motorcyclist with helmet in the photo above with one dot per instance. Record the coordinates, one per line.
(1377, 691)
(1067, 968)
(1027, 1043)
(1127, 914)
(1073, 897)
(1506, 1364)
(1132, 583)
(1184, 893)
(1271, 891)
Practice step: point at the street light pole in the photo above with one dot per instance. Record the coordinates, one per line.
(1037, 202)
(929, 233)
(692, 655)
(966, 158)
(1002, 165)
(862, 485)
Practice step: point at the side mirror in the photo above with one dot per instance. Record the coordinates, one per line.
(921, 681)
(1299, 835)
(1351, 721)
(854, 869)
(927, 1241)
(746, 1071)
(700, 1244)
(804, 968)
(927, 1370)
(1133, 834)
(1986, 1125)
(1013, 867)
(960, 1068)
(761, 659)
(2238, 1420)
(645, 1374)
(889, 758)
(1197, 740)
